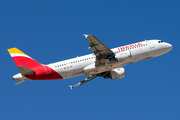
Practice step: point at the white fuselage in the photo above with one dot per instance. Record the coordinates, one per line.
(126, 54)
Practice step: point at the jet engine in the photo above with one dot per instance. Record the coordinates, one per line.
(116, 74)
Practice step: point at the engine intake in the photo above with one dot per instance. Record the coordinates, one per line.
(116, 74)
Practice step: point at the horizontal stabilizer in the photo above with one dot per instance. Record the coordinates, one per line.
(19, 81)
(25, 71)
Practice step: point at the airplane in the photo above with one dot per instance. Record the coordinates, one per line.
(104, 62)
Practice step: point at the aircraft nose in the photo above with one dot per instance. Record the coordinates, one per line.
(169, 46)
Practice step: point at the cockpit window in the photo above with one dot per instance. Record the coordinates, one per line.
(160, 41)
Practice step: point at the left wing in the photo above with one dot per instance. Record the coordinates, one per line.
(102, 52)
(91, 77)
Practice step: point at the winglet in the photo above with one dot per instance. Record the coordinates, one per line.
(71, 87)
(85, 35)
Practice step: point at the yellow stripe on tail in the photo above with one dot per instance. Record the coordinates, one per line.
(15, 50)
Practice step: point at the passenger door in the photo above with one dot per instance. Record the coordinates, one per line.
(151, 45)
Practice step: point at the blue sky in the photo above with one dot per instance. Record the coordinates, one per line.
(50, 31)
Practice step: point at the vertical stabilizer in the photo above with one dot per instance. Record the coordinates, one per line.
(21, 58)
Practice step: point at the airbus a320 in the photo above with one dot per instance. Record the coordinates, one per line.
(104, 62)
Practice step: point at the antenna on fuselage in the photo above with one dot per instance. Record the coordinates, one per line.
(145, 40)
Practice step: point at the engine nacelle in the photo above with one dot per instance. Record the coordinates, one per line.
(116, 74)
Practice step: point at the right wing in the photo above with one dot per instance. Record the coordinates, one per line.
(102, 52)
